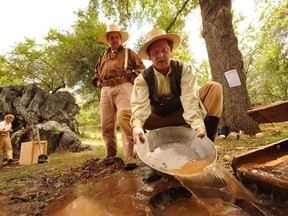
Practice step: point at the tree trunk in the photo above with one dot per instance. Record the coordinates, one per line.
(224, 55)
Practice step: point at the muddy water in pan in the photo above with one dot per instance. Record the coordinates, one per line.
(215, 191)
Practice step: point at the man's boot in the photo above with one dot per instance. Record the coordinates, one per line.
(12, 161)
(211, 124)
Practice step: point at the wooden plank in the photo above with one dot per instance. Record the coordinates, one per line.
(30, 151)
(272, 154)
(275, 112)
(26, 153)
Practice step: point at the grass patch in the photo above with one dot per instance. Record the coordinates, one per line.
(58, 163)
(9, 186)
(272, 133)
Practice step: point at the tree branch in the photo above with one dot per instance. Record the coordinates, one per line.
(177, 15)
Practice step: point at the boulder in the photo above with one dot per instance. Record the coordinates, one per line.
(54, 115)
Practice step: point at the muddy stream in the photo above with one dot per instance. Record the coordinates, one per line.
(210, 191)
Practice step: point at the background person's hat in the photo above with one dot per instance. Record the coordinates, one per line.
(113, 28)
(155, 35)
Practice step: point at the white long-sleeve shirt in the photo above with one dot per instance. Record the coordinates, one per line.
(5, 126)
(194, 111)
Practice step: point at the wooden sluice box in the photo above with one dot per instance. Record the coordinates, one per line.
(275, 112)
(30, 151)
(265, 168)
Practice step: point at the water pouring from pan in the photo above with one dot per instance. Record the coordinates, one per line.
(178, 152)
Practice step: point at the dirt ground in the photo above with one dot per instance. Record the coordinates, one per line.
(35, 194)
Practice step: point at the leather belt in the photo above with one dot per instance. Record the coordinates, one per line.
(4, 134)
(114, 82)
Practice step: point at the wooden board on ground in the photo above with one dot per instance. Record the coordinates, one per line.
(275, 112)
(30, 151)
(265, 167)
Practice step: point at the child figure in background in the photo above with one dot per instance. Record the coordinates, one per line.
(5, 141)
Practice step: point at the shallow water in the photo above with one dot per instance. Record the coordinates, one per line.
(213, 187)
(124, 193)
(120, 194)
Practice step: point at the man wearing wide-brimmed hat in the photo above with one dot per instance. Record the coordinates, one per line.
(5, 140)
(114, 73)
(166, 93)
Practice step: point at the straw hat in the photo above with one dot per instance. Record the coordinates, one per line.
(113, 28)
(154, 35)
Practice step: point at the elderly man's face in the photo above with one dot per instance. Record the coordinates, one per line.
(160, 54)
(115, 40)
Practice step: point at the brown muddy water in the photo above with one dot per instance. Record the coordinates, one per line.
(210, 191)
(122, 193)
(213, 188)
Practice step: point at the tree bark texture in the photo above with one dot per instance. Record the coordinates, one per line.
(224, 55)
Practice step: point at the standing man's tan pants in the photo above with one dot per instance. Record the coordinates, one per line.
(5, 145)
(114, 99)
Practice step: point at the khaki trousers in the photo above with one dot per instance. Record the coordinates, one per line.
(212, 98)
(5, 145)
(114, 99)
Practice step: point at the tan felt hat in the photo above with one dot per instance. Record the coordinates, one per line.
(157, 34)
(113, 28)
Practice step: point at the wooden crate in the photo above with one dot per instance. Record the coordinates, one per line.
(30, 151)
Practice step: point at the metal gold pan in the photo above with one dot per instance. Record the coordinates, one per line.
(170, 148)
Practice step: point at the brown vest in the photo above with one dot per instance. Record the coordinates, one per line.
(165, 106)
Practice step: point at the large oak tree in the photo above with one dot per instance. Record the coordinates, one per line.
(224, 55)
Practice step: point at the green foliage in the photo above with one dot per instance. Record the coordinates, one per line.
(67, 59)
(203, 73)
(89, 116)
(79, 51)
(36, 63)
(265, 55)
(7, 77)
(64, 60)
(271, 66)
(168, 15)
(56, 131)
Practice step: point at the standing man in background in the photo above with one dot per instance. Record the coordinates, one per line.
(115, 72)
(5, 140)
